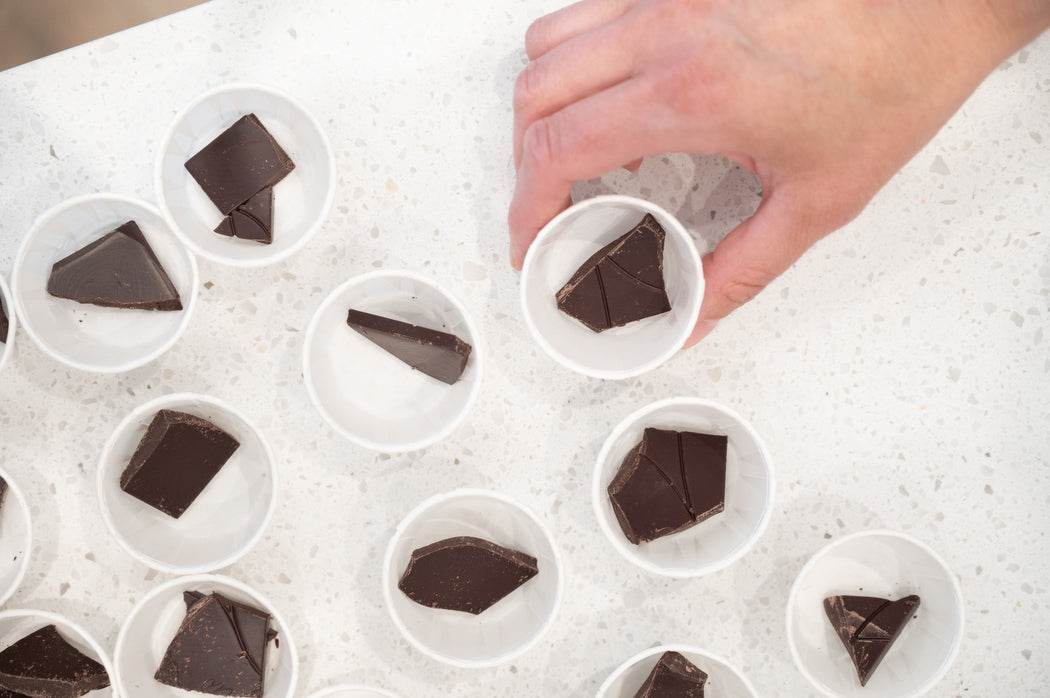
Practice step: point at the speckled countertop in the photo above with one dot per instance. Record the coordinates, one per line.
(899, 373)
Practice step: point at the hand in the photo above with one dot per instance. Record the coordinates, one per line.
(824, 100)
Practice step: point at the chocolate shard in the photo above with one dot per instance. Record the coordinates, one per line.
(219, 649)
(620, 283)
(252, 220)
(44, 664)
(465, 574)
(868, 627)
(670, 481)
(438, 354)
(241, 161)
(175, 460)
(4, 328)
(674, 676)
(3, 495)
(119, 270)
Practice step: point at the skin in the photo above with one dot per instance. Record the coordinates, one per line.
(824, 100)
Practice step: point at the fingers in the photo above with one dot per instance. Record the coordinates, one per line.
(553, 29)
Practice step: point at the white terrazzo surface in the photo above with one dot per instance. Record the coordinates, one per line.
(899, 373)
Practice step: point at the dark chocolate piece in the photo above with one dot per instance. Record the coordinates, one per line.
(465, 574)
(241, 161)
(219, 649)
(119, 270)
(868, 626)
(176, 459)
(674, 676)
(3, 495)
(670, 481)
(252, 220)
(4, 327)
(435, 353)
(44, 664)
(620, 283)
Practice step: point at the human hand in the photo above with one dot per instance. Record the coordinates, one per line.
(824, 100)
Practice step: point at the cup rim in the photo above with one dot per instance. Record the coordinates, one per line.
(216, 580)
(416, 513)
(12, 327)
(322, 214)
(156, 404)
(16, 283)
(675, 229)
(23, 566)
(673, 647)
(333, 690)
(616, 537)
(477, 356)
(846, 540)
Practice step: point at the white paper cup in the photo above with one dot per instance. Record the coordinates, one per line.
(225, 520)
(367, 394)
(16, 538)
(511, 626)
(16, 624)
(723, 680)
(352, 691)
(301, 200)
(7, 347)
(153, 622)
(89, 337)
(876, 563)
(559, 250)
(721, 539)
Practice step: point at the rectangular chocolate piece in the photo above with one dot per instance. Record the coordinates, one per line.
(435, 353)
(674, 676)
(43, 663)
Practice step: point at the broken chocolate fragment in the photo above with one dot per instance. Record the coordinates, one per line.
(176, 459)
(465, 574)
(868, 626)
(219, 649)
(45, 664)
(4, 327)
(252, 220)
(674, 676)
(241, 161)
(620, 283)
(670, 481)
(3, 495)
(119, 270)
(435, 353)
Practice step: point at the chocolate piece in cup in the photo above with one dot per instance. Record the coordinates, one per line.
(4, 324)
(438, 354)
(674, 676)
(868, 626)
(44, 664)
(252, 220)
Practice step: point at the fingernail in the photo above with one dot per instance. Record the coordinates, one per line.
(702, 329)
(515, 260)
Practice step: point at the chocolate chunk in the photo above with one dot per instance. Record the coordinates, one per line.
(437, 354)
(3, 495)
(868, 626)
(176, 459)
(252, 220)
(670, 481)
(119, 270)
(241, 161)
(43, 664)
(219, 649)
(465, 574)
(620, 283)
(4, 327)
(674, 676)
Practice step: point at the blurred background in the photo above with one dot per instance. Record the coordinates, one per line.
(31, 29)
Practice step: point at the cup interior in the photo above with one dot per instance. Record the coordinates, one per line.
(301, 200)
(7, 342)
(16, 624)
(723, 680)
(86, 336)
(355, 691)
(890, 565)
(226, 518)
(721, 539)
(558, 251)
(16, 539)
(510, 626)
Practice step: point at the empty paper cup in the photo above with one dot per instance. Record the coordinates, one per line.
(16, 538)
(718, 541)
(221, 524)
(352, 691)
(885, 564)
(7, 342)
(90, 337)
(366, 393)
(723, 680)
(301, 200)
(559, 250)
(154, 621)
(17, 624)
(509, 627)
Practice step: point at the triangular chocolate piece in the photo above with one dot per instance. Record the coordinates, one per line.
(44, 664)
(868, 627)
(119, 270)
(674, 676)
(219, 649)
(435, 353)
(252, 220)
(465, 574)
(620, 283)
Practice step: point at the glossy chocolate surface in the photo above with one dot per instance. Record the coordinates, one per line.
(438, 354)
(43, 663)
(868, 626)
